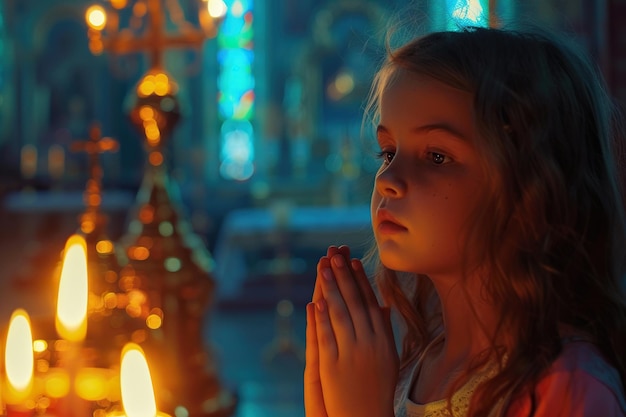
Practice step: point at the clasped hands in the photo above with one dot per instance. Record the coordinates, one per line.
(351, 358)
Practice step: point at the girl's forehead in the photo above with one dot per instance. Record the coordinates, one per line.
(424, 99)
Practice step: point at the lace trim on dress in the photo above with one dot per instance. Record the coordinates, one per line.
(459, 402)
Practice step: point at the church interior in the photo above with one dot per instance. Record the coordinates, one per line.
(204, 154)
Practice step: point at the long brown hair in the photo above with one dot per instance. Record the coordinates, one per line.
(547, 129)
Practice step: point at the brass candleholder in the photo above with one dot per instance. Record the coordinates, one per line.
(117, 307)
(172, 265)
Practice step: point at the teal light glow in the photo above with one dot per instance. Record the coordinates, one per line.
(236, 91)
(468, 13)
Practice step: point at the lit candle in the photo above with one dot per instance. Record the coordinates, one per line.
(71, 317)
(19, 365)
(136, 385)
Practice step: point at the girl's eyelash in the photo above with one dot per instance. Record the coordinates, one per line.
(437, 158)
(384, 155)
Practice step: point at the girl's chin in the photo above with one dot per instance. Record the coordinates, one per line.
(394, 261)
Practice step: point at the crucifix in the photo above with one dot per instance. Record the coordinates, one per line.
(93, 147)
(156, 39)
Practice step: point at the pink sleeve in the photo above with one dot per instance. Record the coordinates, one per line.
(571, 394)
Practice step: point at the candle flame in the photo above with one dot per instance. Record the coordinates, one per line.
(19, 357)
(136, 383)
(217, 8)
(71, 319)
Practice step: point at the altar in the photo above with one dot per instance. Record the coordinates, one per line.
(282, 242)
(37, 223)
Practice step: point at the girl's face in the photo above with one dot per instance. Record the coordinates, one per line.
(430, 179)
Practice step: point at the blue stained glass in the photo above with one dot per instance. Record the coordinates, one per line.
(468, 12)
(238, 5)
(235, 57)
(236, 91)
(231, 27)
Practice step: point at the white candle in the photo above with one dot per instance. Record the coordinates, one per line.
(71, 317)
(19, 365)
(136, 384)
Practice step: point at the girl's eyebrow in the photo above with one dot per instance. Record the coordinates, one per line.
(446, 127)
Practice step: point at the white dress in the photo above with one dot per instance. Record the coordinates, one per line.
(404, 407)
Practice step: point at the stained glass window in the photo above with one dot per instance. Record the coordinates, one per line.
(468, 13)
(236, 91)
(462, 13)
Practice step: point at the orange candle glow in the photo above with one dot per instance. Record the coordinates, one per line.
(19, 359)
(136, 384)
(71, 318)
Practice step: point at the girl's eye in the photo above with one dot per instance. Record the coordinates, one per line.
(438, 158)
(386, 156)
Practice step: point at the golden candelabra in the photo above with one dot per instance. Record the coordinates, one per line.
(163, 259)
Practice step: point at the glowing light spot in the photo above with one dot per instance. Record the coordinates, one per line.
(237, 9)
(146, 214)
(139, 253)
(104, 247)
(57, 383)
(133, 310)
(469, 12)
(166, 229)
(92, 383)
(146, 113)
(40, 345)
(344, 83)
(217, 8)
(110, 300)
(153, 322)
(118, 4)
(87, 226)
(172, 264)
(140, 8)
(96, 17)
(94, 200)
(181, 411)
(155, 158)
(146, 87)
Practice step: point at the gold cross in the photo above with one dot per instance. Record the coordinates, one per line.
(94, 147)
(155, 40)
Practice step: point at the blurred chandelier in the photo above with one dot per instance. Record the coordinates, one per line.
(147, 24)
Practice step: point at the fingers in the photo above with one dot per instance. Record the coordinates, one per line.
(325, 330)
(350, 293)
(311, 372)
(325, 262)
(313, 397)
(369, 297)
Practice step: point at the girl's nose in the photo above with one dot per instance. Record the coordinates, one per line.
(389, 184)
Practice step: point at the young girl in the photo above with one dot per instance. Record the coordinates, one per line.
(501, 241)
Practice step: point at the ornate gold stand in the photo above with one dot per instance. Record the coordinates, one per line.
(115, 303)
(173, 267)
